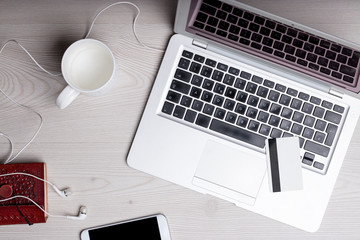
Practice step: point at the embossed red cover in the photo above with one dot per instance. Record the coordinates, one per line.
(20, 210)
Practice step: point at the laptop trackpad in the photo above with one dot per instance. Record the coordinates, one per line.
(234, 172)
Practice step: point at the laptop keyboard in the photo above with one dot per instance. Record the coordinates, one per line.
(278, 42)
(219, 98)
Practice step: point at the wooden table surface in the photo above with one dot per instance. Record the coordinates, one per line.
(85, 145)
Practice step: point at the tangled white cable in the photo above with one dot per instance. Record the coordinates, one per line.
(10, 157)
(134, 23)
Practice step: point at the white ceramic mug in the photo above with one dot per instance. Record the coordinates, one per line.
(88, 66)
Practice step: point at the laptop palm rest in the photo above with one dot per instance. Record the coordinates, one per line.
(234, 172)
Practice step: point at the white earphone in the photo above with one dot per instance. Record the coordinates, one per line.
(63, 193)
(82, 214)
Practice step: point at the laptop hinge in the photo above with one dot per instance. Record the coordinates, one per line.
(336, 93)
(199, 44)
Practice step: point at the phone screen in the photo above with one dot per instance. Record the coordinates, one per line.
(140, 229)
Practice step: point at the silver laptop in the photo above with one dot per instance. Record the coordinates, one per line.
(234, 76)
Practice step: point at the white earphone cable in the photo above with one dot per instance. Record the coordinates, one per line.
(32, 58)
(134, 23)
(10, 157)
(11, 144)
(27, 174)
(20, 196)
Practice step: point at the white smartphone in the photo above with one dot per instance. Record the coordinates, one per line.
(153, 227)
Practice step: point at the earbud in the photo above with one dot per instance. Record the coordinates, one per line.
(82, 214)
(63, 193)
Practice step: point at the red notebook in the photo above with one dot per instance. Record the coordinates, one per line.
(20, 210)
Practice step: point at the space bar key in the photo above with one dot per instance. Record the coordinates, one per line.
(237, 133)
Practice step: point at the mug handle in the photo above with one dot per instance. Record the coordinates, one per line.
(66, 97)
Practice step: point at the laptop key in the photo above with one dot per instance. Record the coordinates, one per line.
(230, 92)
(251, 112)
(241, 96)
(296, 104)
(230, 117)
(208, 109)
(208, 84)
(317, 148)
(275, 108)
(190, 116)
(240, 108)
(280, 87)
(197, 80)
(253, 125)
(197, 105)
(186, 101)
(318, 165)
(308, 133)
(331, 132)
(168, 108)
(327, 104)
(298, 117)
(179, 112)
(262, 92)
(219, 88)
(308, 158)
(265, 129)
(173, 96)
(238, 133)
(187, 54)
(285, 125)
(264, 104)
(195, 67)
(296, 129)
(220, 113)
(315, 100)
(217, 75)
(309, 121)
(240, 83)
(286, 134)
(275, 133)
(206, 71)
(182, 75)
(307, 108)
(195, 92)
(304, 96)
(210, 62)
(253, 101)
(203, 120)
(269, 84)
(184, 63)
(319, 137)
(251, 87)
(263, 116)
(274, 121)
(285, 100)
(332, 117)
(199, 58)
(242, 121)
(339, 109)
(180, 87)
(319, 112)
(273, 96)
(229, 104)
(218, 100)
(320, 125)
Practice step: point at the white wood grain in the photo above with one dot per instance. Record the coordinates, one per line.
(85, 145)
